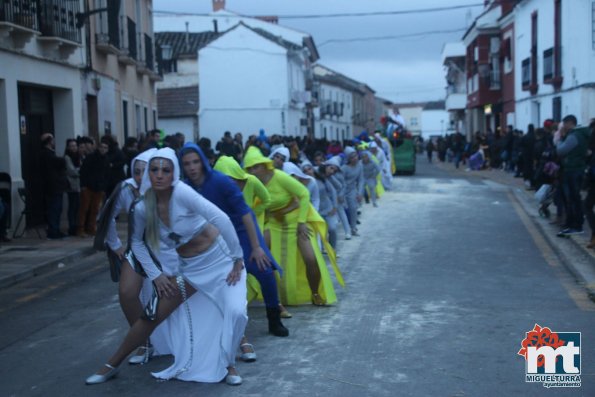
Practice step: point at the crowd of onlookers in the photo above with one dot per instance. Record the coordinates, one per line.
(557, 160)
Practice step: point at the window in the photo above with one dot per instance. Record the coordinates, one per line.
(557, 108)
(548, 64)
(413, 121)
(154, 119)
(526, 72)
(138, 120)
(495, 73)
(146, 111)
(125, 118)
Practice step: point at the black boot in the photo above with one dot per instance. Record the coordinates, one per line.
(276, 327)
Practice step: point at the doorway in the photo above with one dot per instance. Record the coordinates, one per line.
(93, 118)
(36, 118)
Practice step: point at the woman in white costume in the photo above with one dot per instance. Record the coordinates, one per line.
(173, 215)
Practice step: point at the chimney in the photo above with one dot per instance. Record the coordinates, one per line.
(218, 5)
(187, 38)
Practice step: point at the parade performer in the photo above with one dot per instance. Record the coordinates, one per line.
(134, 290)
(328, 201)
(206, 332)
(306, 180)
(370, 172)
(335, 176)
(293, 240)
(354, 186)
(384, 163)
(258, 199)
(225, 194)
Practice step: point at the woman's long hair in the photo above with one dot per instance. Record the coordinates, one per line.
(152, 220)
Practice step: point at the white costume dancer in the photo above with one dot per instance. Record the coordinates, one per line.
(208, 307)
(218, 311)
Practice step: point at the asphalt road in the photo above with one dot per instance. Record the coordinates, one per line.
(441, 288)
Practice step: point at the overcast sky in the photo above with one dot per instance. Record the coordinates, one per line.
(402, 70)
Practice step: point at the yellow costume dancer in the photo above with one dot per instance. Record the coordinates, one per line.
(255, 193)
(290, 213)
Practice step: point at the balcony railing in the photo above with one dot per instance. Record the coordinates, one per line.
(526, 72)
(24, 13)
(107, 37)
(149, 61)
(548, 64)
(132, 50)
(57, 19)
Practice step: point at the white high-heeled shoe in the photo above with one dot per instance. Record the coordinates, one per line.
(233, 380)
(96, 378)
(247, 357)
(142, 358)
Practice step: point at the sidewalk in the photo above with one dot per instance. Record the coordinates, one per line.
(30, 256)
(572, 251)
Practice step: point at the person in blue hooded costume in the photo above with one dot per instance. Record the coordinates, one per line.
(219, 189)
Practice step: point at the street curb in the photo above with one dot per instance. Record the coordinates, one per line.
(45, 267)
(585, 278)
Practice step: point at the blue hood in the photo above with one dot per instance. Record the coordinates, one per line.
(193, 147)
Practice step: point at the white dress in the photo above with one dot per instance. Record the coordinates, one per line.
(205, 331)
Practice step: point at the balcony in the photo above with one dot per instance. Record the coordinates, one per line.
(19, 21)
(58, 27)
(456, 101)
(128, 52)
(107, 38)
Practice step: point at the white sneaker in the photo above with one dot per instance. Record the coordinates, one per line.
(348, 237)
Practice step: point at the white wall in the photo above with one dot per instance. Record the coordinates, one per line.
(434, 122)
(244, 86)
(578, 61)
(185, 125)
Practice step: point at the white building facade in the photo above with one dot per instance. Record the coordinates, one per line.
(334, 114)
(250, 81)
(555, 61)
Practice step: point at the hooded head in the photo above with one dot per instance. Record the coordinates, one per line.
(194, 171)
(230, 167)
(366, 156)
(156, 159)
(254, 157)
(144, 156)
(334, 161)
(292, 169)
(279, 156)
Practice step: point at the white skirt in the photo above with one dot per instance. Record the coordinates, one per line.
(160, 339)
(205, 331)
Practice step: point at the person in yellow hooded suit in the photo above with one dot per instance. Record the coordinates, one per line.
(292, 225)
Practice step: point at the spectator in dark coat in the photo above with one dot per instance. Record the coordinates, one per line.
(130, 151)
(117, 162)
(53, 176)
(94, 179)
